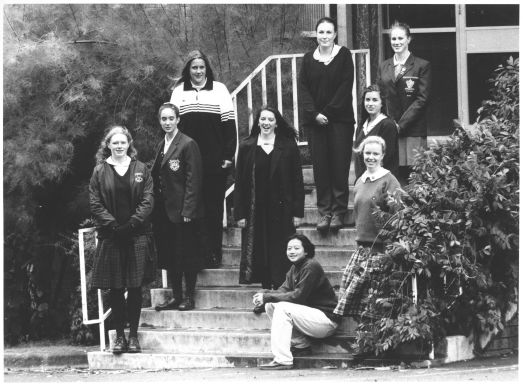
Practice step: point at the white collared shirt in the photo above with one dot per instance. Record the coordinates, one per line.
(120, 168)
(367, 127)
(167, 142)
(326, 61)
(374, 176)
(401, 62)
(266, 144)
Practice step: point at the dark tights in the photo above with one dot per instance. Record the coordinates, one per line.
(190, 278)
(120, 306)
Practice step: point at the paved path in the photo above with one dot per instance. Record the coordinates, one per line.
(495, 370)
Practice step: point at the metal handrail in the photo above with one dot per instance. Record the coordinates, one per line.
(83, 289)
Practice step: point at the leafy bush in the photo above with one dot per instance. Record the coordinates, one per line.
(457, 231)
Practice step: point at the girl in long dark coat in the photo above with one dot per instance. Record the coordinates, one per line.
(121, 200)
(177, 178)
(268, 198)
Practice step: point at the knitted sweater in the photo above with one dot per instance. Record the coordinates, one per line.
(306, 284)
(327, 89)
(368, 196)
(207, 116)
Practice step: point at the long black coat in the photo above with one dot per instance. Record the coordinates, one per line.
(407, 96)
(286, 200)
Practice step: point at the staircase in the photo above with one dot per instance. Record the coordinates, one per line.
(223, 331)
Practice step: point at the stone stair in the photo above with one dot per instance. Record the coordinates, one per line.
(223, 331)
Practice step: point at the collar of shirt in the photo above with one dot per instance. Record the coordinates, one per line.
(201, 86)
(401, 62)
(374, 176)
(167, 142)
(127, 161)
(326, 61)
(267, 145)
(367, 127)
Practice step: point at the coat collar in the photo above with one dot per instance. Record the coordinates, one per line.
(409, 63)
(207, 86)
(171, 149)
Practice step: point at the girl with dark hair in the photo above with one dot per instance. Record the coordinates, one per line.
(177, 178)
(121, 201)
(325, 88)
(268, 198)
(302, 306)
(206, 115)
(376, 123)
(405, 80)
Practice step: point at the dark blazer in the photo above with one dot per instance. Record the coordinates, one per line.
(407, 96)
(180, 182)
(102, 199)
(285, 170)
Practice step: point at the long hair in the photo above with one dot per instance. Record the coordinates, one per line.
(308, 246)
(195, 54)
(103, 151)
(283, 128)
(364, 114)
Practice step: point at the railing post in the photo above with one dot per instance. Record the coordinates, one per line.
(263, 87)
(414, 288)
(164, 278)
(83, 287)
(250, 105)
(101, 321)
(279, 85)
(294, 91)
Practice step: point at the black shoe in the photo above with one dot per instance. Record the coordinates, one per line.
(298, 352)
(133, 345)
(273, 365)
(120, 345)
(171, 304)
(187, 304)
(324, 223)
(259, 309)
(337, 222)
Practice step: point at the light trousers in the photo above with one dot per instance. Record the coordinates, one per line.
(293, 325)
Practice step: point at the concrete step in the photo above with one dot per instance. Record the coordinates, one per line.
(206, 341)
(229, 276)
(158, 361)
(327, 256)
(312, 217)
(235, 297)
(223, 318)
(343, 238)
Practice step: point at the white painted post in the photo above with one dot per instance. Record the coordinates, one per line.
(414, 288)
(263, 86)
(101, 321)
(294, 91)
(279, 85)
(250, 103)
(83, 287)
(164, 278)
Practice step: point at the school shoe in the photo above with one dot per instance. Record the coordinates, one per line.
(273, 365)
(133, 345)
(120, 345)
(337, 222)
(324, 223)
(171, 304)
(298, 352)
(187, 304)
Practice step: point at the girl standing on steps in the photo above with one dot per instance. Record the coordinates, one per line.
(325, 88)
(121, 201)
(177, 179)
(268, 198)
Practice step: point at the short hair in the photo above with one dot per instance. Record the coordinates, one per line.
(308, 246)
(103, 151)
(168, 105)
(402, 26)
(371, 140)
(326, 19)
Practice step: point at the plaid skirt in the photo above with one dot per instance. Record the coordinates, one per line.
(119, 266)
(363, 268)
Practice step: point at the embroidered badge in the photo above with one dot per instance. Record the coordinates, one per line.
(410, 85)
(174, 165)
(139, 177)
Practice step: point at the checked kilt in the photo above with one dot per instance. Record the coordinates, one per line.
(363, 268)
(118, 266)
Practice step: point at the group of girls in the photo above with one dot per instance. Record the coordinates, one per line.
(172, 214)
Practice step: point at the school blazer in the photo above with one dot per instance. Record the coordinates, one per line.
(407, 96)
(181, 179)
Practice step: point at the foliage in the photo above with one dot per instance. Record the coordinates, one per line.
(456, 229)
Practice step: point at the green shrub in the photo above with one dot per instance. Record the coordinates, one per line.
(457, 230)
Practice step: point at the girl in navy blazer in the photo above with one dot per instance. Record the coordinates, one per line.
(177, 181)
(405, 80)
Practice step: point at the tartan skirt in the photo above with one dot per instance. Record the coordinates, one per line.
(117, 266)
